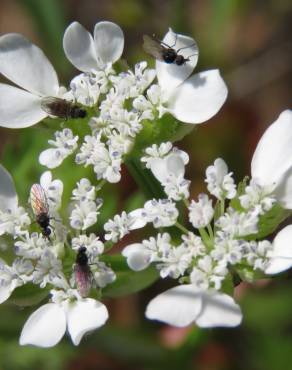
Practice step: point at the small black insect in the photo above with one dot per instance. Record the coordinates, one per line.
(82, 273)
(166, 53)
(62, 108)
(40, 207)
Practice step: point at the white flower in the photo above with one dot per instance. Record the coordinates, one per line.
(201, 212)
(84, 215)
(154, 152)
(192, 99)
(85, 89)
(121, 225)
(185, 304)
(130, 84)
(102, 274)
(26, 66)
(195, 244)
(13, 276)
(162, 212)
(87, 53)
(239, 223)
(220, 182)
(169, 171)
(208, 273)
(258, 197)
(65, 144)
(257, 254)
(83, 191)
(271, 165)
(47, 325)
(31, 246)
(228, 250)
(107, 164)
(174, 261)
(280, 256)
(48, 270)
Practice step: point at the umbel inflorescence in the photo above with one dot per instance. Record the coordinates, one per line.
(204, 244)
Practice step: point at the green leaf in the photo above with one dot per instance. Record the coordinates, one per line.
(127, 281)
(270, 221)
(28, 295)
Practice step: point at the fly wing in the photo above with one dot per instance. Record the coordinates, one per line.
(38, 199)
(83, 279)
(153, 47)
(49, 103)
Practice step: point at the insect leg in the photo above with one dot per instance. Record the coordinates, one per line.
(186, 47)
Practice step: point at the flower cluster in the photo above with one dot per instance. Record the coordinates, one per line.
(205, 243)
(39, 260)
(220, 243)
(118, 104)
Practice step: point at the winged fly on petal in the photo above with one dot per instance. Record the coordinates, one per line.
(166, 53)
(62, 108)
(40, 207)
(82, 272)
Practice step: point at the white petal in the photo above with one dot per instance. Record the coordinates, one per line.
(84, 316)
(171, 75)
(8, 196)
(178, 306)
(45, 327)
(283, 190)
(199, 98)
(46, 179)
(19, 108)
(79, 47)
(52, 157)
(109, 41)
(171, 164)
(27, 66)
(219, 309)
(281, 255)
(273, 154)
(5, 292)
(137, 219)
(138, 258)
(159, 169)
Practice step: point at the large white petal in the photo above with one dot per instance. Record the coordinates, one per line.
(281, 255)
(138, 257)
(171, 75)
(199, 98)
(27, 66)
(178, 306)
(84, 316)
(79, 47)
(283, 190)
(219, 309)
(8, 196)
(19, 108)
(45, 327)
(273, 154)
(109, 41)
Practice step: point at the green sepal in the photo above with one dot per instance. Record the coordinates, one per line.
(166, 128)
(28, 295)
(127, 281)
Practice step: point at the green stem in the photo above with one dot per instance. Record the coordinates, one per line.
(210, 230)
(181, 227)
(206, 238)
(144, 179)
(222, 207)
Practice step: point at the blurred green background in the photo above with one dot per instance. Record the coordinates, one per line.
(250, 41)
